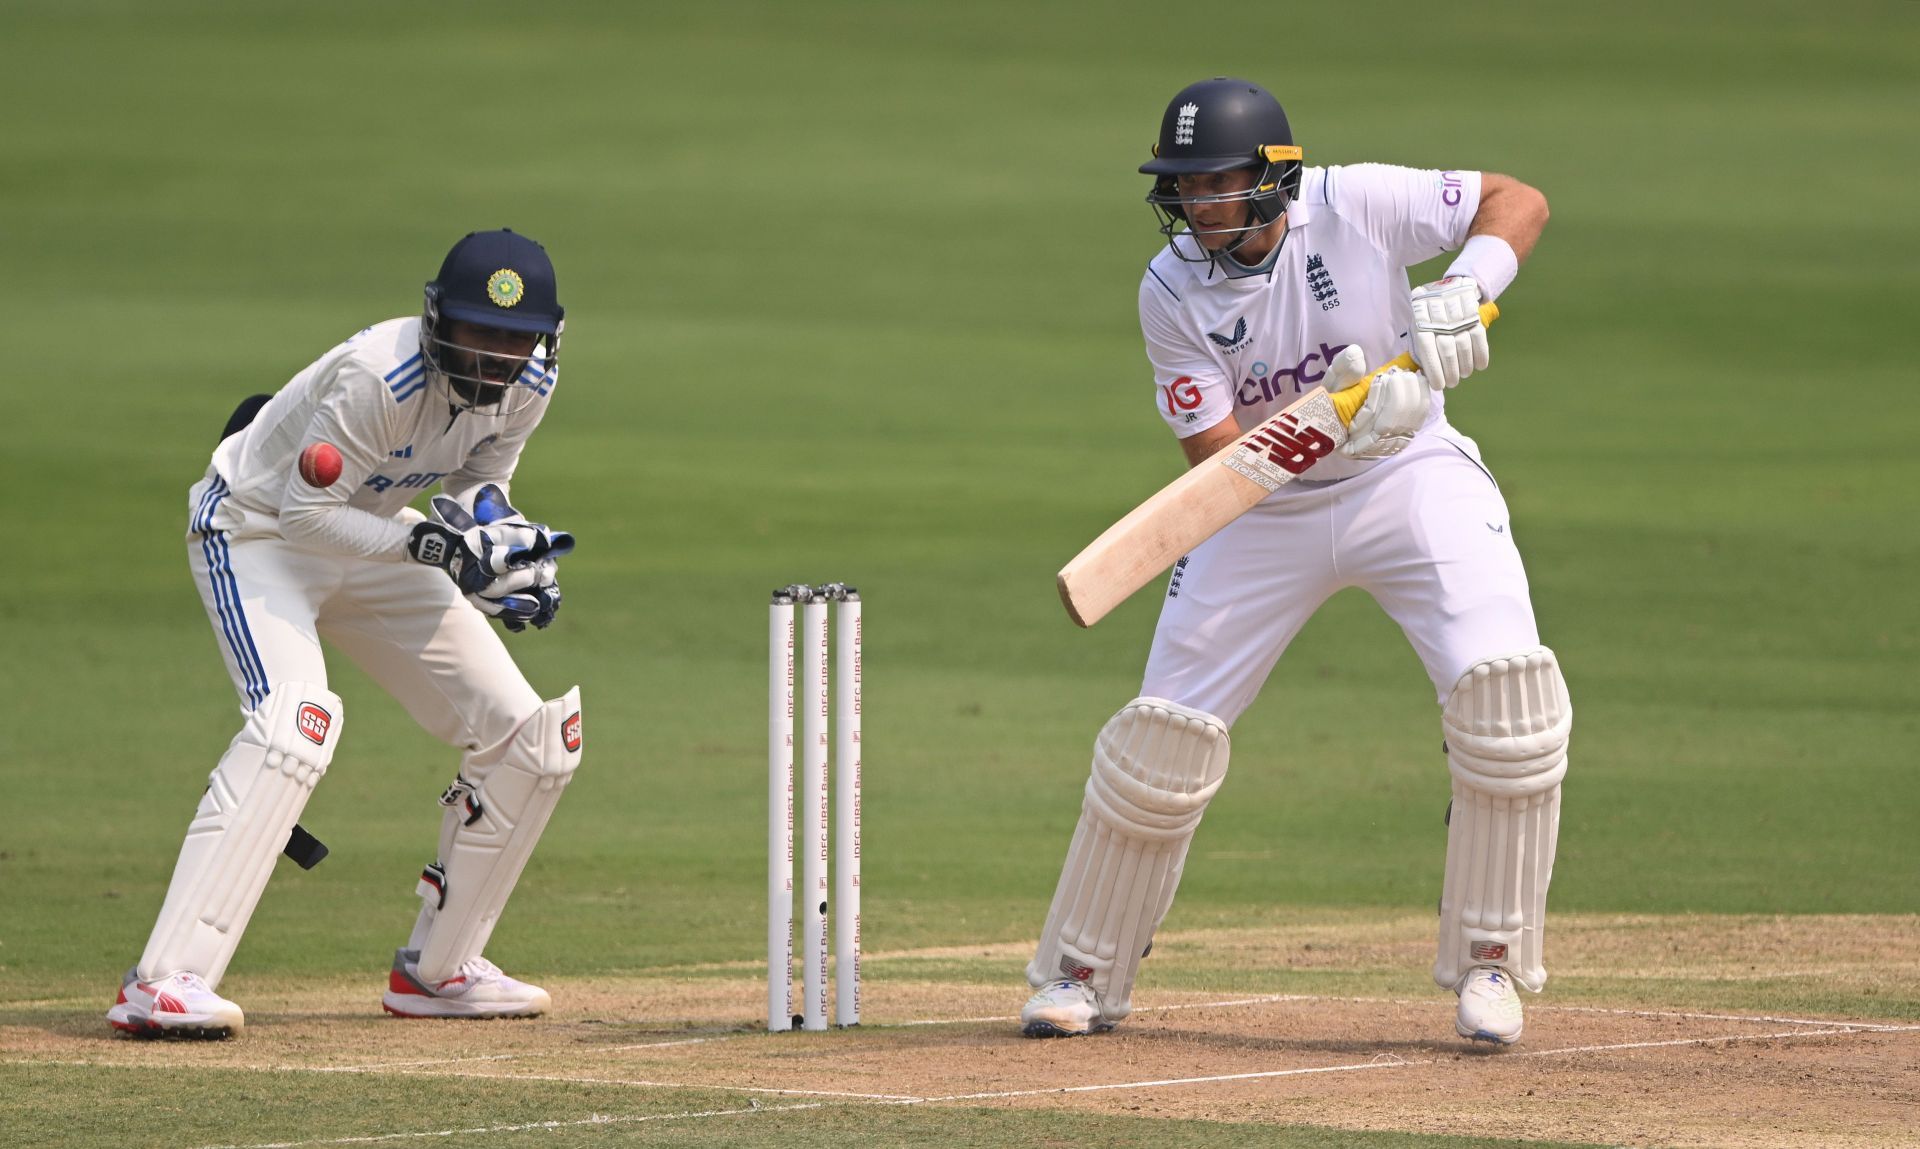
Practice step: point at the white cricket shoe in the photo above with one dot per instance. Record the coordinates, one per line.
(1489, 1006)
(477, 989)
(178, 1005)
(1063, 1008)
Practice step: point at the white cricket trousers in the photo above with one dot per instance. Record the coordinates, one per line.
(403, 623)
(1425, 533)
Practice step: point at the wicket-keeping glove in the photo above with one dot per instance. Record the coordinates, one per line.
(490, 508)
(528, 591)
(472, 558)
(527, 595)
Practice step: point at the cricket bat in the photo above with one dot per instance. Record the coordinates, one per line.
(1192, 508)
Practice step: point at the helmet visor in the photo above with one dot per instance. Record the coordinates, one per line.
(487, 380)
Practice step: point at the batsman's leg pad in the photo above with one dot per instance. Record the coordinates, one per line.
(1507, 725)
(253, 798)
(496, 811)
(1156, 765)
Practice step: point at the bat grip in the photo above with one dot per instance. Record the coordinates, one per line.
(1347, 403)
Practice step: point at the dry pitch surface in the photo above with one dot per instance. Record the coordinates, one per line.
(1608, 1055)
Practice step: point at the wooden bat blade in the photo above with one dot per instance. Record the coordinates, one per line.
(1194, 507)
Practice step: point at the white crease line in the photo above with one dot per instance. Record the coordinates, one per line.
(1756, 1019)
(373, 1065)
(376, 1065)
(1267, 999)
(1379, 1061)
(1398, 1063)
(1394, 1061)
(375, 1070)
(1390, 1062)
(564, 1079)
(1430, 1003)
(596, 1119)
(1174, 1081)
(1786, 1035)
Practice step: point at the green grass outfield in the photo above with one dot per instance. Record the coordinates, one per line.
(850, 291)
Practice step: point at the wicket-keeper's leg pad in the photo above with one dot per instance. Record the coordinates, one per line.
(253, 798)
(1156, 765)
(496, 810)
(1507, 723)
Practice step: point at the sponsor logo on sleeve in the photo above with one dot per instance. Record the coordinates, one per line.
(1453, 188)
(1183, 399)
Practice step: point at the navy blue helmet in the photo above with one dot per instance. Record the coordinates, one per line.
(502, 281)
(1222, 125)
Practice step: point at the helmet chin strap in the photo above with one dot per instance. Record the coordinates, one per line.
(1232, 250)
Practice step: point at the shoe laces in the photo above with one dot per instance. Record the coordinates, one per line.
(474, 970)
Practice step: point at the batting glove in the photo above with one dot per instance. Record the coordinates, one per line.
(1449, 340)
(1395, 408)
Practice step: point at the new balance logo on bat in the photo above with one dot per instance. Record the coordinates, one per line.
(1290, 444)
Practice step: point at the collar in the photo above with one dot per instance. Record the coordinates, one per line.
(1231, 270)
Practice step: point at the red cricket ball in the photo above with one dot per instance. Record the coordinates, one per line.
(320, 464)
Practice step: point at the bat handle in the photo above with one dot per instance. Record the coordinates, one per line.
(1347, 403)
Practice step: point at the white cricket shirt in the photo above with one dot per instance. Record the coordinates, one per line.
(1245, 348)
(371, 398)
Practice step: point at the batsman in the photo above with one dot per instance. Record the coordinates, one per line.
(301, 530)
(1276, 278)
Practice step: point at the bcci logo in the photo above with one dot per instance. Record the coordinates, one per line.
(313, 723)
(1183, 126)
(505, 287)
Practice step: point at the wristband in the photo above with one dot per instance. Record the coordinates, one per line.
(1491, 262)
